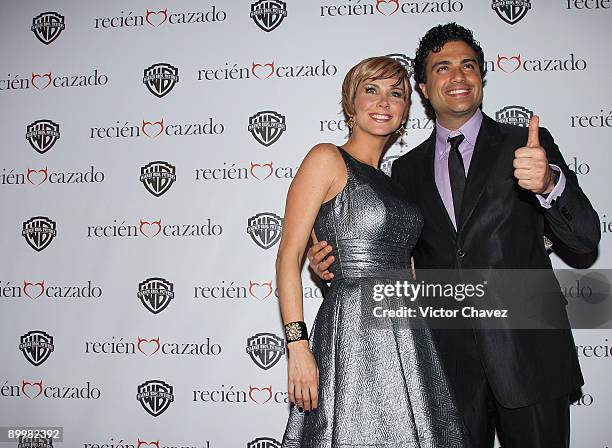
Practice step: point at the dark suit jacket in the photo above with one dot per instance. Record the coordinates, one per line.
(501, 226)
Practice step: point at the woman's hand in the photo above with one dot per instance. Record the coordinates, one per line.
(303, 372)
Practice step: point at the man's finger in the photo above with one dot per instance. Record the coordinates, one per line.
(533, 141)
(325, 264)
(313, 235)
(523, 162)
(522, 174)
(320, 252)
(524, 152)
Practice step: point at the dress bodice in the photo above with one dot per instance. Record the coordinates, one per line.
(369, 224)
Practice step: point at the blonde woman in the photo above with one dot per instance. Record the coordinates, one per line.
(362, 380)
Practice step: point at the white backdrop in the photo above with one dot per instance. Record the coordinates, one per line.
(189, 229)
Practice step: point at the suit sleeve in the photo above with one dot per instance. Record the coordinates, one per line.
(572, 219)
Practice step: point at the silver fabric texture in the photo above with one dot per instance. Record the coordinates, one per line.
(380, 384)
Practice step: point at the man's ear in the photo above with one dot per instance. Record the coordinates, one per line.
(423, 88)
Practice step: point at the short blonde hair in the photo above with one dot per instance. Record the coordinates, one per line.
(378, 67)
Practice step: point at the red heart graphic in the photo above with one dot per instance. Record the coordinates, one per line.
(45, 172)
(142, 442)
(261, 66)
(267, 166)
(146, 342)
(153, 123)
(35, 76)
(26, 285)
(260, 290)
(154, 14)
(25, 383)
(386, 6)
(501, 59)
(147, 223)
(258, 391)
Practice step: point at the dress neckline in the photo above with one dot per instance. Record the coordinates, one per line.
(357, 160)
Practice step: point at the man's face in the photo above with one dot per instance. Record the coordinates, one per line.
(454, 84)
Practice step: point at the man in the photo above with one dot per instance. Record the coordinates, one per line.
(487, 192)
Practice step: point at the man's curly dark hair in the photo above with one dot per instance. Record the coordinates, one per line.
(435, 39)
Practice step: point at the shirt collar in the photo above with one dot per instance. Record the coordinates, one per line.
(469, 130)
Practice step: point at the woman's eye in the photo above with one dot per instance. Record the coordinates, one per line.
(370, 90)
(397, 94)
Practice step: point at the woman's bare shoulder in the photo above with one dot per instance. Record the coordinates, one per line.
(324, 155)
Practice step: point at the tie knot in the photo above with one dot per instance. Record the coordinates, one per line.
(456, 141)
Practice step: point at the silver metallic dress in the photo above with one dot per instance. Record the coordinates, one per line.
(380, 384)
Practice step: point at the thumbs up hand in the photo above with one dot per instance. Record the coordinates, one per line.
(530, 163)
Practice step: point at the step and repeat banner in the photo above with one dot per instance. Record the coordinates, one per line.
(146, 152)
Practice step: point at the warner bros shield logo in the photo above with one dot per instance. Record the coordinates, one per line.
(160, 78)
(36, 346)
(407, 62)
(387, 162)
(39, 231)
(42, 135)
(48, 26)
(268, 14)
(264, 442)
(511, 11)
(267, 126)
(516, 115)
(155, 396)
(265, 229)
(155, 294)
(157, 177)
(265, 349)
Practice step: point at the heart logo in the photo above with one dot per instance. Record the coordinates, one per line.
(145, 343)
(36, 76)
(37, 173)
(145, 225)
(258, 395)
(26, 285)
(507, 65)
(153, 19)
(263, 69)
(267, 167)
(152, 123)
(142, 443)
(260, 290)
(387, 7)
(25, 385)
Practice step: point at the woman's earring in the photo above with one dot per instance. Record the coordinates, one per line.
(401, 131)
(349, 123)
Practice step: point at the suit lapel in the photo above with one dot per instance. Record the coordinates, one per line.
(481, 166)
(439, 212)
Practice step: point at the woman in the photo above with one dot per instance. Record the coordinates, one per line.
(362, 381)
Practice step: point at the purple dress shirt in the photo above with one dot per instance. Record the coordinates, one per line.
(470, 131)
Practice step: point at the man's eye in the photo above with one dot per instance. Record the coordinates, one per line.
(470, 66)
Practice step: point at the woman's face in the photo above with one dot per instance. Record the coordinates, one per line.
(380, 106)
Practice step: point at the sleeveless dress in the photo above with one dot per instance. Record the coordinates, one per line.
(380, 385)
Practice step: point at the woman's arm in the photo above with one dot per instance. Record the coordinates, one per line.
(315, 182)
